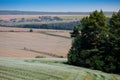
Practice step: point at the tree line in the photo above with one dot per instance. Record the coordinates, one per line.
(58, 26)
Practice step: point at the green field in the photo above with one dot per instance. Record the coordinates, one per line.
(47, 69)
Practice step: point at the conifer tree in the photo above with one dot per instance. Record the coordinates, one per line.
(97, 46)
(115, 33)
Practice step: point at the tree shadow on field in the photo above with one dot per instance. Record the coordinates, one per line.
(42, 52)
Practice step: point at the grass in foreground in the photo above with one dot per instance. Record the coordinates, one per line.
(47, 69)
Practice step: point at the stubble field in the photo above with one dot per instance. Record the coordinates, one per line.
(40, 42)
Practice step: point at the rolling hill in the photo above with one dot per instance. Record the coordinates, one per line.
(47, 69)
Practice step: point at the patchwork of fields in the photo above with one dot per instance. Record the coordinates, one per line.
(19, 47)
(47, 69)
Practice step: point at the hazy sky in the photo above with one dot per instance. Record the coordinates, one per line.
(60, 5)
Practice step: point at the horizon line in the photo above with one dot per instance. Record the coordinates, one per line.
(56, 11)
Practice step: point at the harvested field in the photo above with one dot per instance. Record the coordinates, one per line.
(8, 17)
(22, 43)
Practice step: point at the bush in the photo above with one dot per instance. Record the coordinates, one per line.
(31, 30)
(39, 57)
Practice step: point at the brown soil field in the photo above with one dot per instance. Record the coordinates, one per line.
(32, 44)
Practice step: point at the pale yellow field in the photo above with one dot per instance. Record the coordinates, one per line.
(8, 17)
(18, 44)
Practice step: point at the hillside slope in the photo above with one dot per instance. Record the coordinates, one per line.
(47, 69)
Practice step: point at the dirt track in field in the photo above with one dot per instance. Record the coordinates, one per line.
(14, 44)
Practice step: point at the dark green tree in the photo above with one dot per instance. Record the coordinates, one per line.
(75, 32)
(115, 33)
(95, 46)
(115, 24)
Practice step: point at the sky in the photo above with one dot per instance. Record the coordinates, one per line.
(60, 5)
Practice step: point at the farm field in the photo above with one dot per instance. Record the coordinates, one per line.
(19, 47)
(63, 22)
(40, 42)
(59, 40)
(47, 69)
(8, 17)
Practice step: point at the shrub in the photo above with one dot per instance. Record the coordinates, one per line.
(39, 57)
(31, 30)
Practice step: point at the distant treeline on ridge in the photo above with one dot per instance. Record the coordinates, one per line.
(15, 12)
